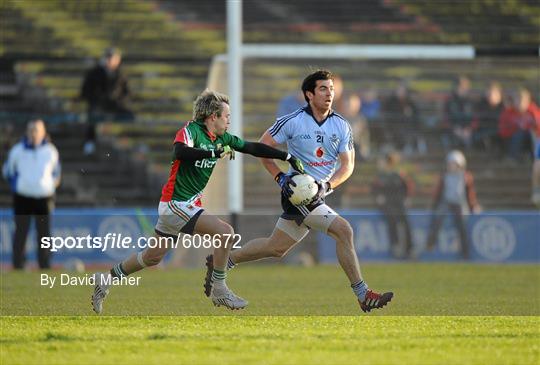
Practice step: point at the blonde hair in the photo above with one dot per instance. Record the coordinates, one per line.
(207, 103)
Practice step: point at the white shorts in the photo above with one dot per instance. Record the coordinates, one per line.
(318, 219)
(175, 217)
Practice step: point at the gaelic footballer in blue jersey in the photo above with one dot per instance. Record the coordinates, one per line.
(322, 140)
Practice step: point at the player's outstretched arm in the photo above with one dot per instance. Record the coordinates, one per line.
(186, 153)
(262, 150)
(269, 164)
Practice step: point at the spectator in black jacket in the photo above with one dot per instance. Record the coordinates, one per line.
(105, 88)
(486, 119)
(392, 189)
(459, 113)
(403, 119)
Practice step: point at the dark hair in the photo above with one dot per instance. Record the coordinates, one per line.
(111, 51)
(310, 82)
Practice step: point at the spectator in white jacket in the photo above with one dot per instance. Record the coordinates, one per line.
(33, 171)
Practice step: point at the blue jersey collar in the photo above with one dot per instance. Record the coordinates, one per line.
(308, 110)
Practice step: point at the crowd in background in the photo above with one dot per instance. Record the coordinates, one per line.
(504, 123)
(507, 124)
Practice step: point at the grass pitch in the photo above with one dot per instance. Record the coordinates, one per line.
(441, 314)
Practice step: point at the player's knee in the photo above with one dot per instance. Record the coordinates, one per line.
(342, 230)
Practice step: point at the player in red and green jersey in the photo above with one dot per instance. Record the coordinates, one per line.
(189, 176)
(197, 147)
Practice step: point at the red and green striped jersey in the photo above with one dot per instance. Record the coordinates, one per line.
(187, 179)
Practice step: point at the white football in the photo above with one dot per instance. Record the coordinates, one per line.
(304, 191)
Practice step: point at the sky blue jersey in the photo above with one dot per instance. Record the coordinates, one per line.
(317, 145)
